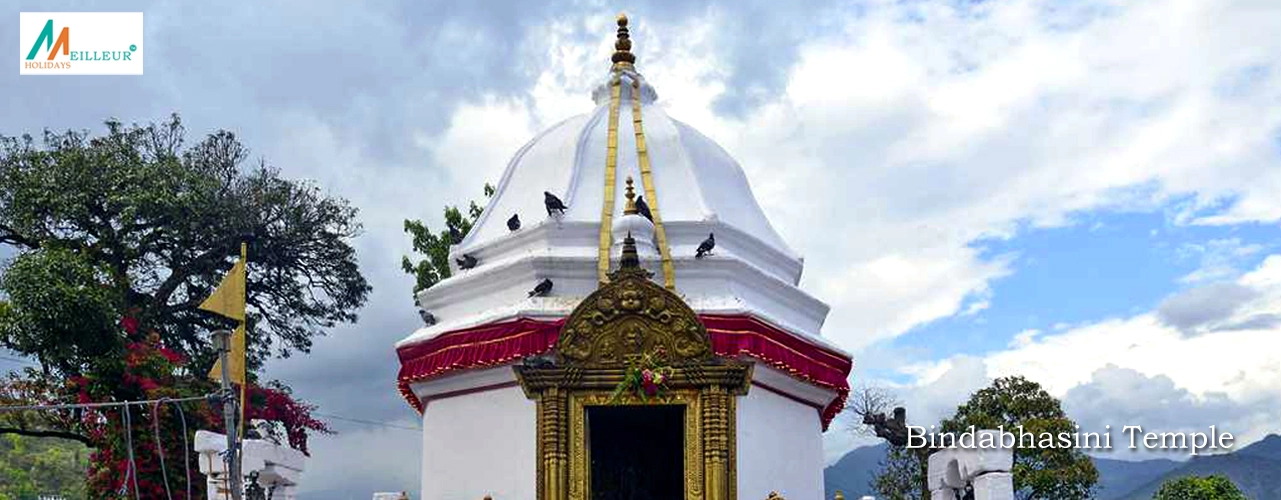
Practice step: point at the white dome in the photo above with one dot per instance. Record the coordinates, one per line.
(696, 181)
(699, 188)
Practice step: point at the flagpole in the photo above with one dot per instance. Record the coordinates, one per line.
(244, 327)
(222, 339)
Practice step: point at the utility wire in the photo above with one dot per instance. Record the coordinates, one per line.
(19, 360)
(367, 422)
(5, 409)
(160, 448)
(133, 466)
(186, 462)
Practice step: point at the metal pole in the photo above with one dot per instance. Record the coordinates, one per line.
(222, 340)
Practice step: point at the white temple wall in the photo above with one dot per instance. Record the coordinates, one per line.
(780, 447)
(480, 444)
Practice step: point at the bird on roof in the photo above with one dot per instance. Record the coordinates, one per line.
(553, 204)
(455, 236)
(543, 288)
(467, 262)
(428, 318)
(642, 208)
(705, 248)
(514, 222)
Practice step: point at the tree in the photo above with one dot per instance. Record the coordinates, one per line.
(41, 466)
(1050, 473)
(1039, 473)
(1213, 487)
(867, 400)
(901, 475)
(134, 225)
(434, 247)
(118, 238)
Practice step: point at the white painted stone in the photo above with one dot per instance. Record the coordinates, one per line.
(480, 444)
(276, 465)
(954, 468)
(399, 495)
(994, 486)
(780, 446)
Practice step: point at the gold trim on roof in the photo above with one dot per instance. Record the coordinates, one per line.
(647, 180)
(611, 166)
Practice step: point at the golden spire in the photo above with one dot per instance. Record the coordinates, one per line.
(623, 47)
(630, 207)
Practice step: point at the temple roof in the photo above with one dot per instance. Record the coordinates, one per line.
(694, 188)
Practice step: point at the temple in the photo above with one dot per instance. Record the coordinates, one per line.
(638, 334)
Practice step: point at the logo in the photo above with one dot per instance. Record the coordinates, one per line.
(80, 43)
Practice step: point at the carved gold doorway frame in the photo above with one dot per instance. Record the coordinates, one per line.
(627, 319)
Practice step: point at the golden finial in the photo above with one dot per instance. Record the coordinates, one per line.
(623, 47)
(840, 495)
(630, 207)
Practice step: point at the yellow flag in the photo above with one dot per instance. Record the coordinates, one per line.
(229, 298)
(237, 357)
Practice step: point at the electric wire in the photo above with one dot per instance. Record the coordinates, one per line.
(133, 466)
(186, 462)
(160, 448)
(72, 406)
(367, 422)
(19, 360)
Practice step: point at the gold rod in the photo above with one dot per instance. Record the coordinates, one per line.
(647, 178)
(611, 166)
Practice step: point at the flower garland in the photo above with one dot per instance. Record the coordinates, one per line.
(645, 378)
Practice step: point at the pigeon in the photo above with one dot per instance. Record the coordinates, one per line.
(428, 318)
(553, 203)
(455, 236)
(513, 223)
(642, 208)
(705, 248)
(540, 361)
(467, 262)
(542, 288)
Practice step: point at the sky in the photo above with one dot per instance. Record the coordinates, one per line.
(1081, 192)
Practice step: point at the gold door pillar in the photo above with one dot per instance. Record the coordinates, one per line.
(716, 442)
(553, 444)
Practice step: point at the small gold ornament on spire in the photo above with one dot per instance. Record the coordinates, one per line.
(630, 207)
(623, 47)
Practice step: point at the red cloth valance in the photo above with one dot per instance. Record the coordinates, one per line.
(731, 336)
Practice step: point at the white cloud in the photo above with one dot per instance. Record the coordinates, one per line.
(920, 138)
(1218, 259)
(1136, 370)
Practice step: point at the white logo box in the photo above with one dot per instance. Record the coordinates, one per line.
(97, 43)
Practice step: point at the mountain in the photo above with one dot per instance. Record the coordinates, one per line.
(1255, 469)
(1117, 478)
(1268, 447)
(852, 474)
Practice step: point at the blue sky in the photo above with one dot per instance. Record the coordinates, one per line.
(1104, 264)
(1081, 192)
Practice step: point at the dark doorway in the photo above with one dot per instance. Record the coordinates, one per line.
(637, 452)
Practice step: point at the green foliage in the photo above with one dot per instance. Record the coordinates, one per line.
(901, 476)
(117, 239)
(1057, 473)
(138, 225)
(1213, 487)
(32, 466)
(60, 306)
(434, 246)
(1039, 473)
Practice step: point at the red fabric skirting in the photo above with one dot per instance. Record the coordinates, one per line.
(731, 336)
